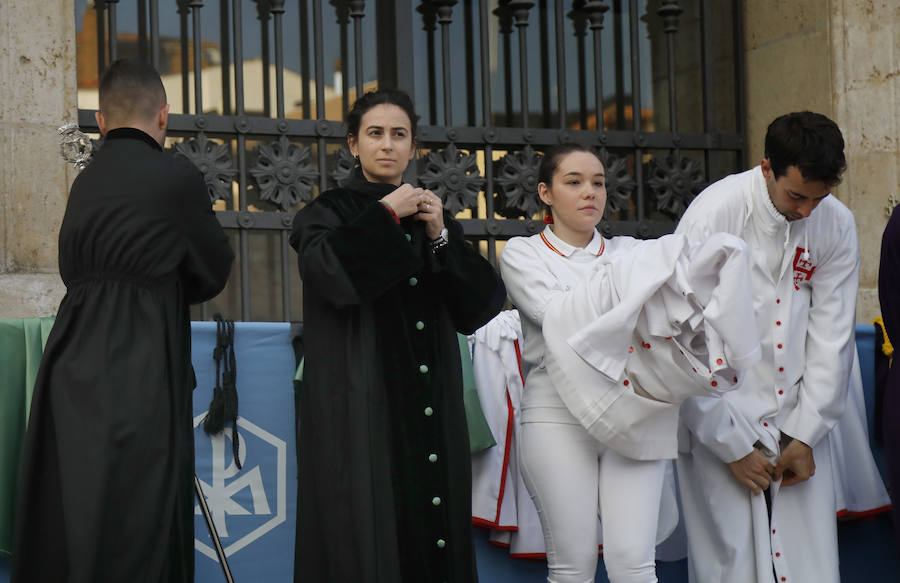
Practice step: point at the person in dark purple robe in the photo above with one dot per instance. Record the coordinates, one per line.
(889, 296)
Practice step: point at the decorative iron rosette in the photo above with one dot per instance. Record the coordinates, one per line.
(343, 163)
(454, 177)
(215, 163)
(675, 181)
(76, 147)
(619, 183)
(517, 180)
(284, 173)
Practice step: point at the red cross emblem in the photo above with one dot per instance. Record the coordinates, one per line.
(803, 268)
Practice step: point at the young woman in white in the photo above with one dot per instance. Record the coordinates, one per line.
(570, 474)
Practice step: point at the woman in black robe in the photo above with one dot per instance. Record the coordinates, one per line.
(384, 470)
(889, 296)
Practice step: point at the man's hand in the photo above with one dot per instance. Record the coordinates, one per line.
(753, 470)
(796, 464)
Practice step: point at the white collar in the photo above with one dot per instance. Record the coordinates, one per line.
(595, 247)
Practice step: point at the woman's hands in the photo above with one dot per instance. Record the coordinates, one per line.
(409, 200)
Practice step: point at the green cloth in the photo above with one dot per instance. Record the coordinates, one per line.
(21, 346)
(480, 436)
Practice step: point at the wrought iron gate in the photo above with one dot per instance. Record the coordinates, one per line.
(654, 85)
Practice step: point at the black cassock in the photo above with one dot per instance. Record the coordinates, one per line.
(384, 469)
(889, 295)
(106, 493)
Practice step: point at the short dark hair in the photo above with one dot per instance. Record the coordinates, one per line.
(554, 155)
(811, 142)
(131, 89)
(381, 97)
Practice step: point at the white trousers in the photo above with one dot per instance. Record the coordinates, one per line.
(730, 535)
(570, 477)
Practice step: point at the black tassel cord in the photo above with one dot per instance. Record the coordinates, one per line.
(224, 405)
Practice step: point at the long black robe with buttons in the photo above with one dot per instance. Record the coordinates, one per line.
(384, 470)
(105, 494)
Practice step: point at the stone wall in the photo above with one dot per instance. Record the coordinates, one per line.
(37, 94)
(840, 58)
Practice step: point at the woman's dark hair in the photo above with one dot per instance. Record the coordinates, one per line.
(811, 142)
(552, 157)
(381, 97)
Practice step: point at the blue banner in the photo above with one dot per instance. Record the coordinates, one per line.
(254, 508)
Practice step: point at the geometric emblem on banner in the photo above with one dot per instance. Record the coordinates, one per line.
(241, 520)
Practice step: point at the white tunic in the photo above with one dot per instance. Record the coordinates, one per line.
(804, 278)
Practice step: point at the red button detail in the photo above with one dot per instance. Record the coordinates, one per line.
(777, 301)
(625, 382)
(718, 361)
(714, 383)
(780, 392)
(784, 578)
(694, 369)
(646, 345)
(631, 349)
(779, 346)
(780, 369)
(734, 380)
(778, 322)
(766, 425)
(668, 337)
(773, 531)
(777, 554)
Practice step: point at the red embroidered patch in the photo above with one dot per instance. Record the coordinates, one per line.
(803, 268)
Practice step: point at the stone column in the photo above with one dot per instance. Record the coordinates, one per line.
(840, 58)
(37, 94)
(865, 44)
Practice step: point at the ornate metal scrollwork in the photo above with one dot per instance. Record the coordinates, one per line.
(620, 184)
(675, 181)
(284, 173)
(454, 177)
(517, 179)
(343, 163)
(215, 163)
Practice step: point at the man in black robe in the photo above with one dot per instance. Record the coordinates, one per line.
(105, 493)
(889, 296)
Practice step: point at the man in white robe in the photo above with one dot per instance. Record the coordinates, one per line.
(754, 468)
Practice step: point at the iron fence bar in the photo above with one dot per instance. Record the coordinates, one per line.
(277, 10)
(183, 11)
(266, 57)
(237, 22)
(343, 20)
(562, 103)
(225, 52)
(113, 31)
(520, 13)
(544, 35)
(303, 14)
(596, 11)
(487, 114)
(196, 5)
(619, 48)
(740, 104)
(318, 51)
(578, 23)
(101, 38)
(429, 19)
(445, 12)
(706, 67)
(636, 107)
(504, 17)
(467, 137)
(468, 30)
(142, 29)
(154, 33)
(357, 11)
